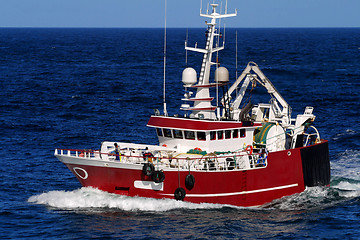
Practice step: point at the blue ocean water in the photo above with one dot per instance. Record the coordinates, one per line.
(74, 88)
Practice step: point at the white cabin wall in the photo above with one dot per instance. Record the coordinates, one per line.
(184, 145)
(221, 145)
(233, 144)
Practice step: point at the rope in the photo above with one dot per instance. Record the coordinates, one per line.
(178, 172)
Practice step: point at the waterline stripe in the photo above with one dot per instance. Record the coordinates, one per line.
(238, 193)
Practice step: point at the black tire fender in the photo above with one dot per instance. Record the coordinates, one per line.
(179, 194)
(189, 181)
(148, 169)
(158, 176)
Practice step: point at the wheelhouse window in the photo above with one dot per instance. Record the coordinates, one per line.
(235, 133)
(242, 133)
(189, 135)
(178, 134)
(159, 132)
(201, 136)
(220, 135)
(212, 135)
(227, 134)
(167, 133)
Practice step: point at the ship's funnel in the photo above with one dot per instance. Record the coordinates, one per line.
(221, 75)
(189, 77)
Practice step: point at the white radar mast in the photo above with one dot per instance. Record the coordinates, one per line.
(202, 101)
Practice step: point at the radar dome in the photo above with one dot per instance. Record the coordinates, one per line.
(221, 75)
(189, 76)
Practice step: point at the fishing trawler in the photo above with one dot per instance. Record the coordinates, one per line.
(235, 152)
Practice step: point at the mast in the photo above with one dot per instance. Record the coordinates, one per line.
(164, 85)
(204, 109)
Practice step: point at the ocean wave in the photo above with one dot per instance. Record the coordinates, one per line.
(318, 197)
(90, 198)
(347, 165)
(348, 189)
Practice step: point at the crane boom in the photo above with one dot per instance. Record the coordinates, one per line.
(253, 73)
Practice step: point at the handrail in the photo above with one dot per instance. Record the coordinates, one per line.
(206, 162)
(233, 154)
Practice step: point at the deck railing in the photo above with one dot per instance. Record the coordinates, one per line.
(211, 162)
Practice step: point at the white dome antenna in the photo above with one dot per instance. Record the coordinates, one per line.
(189, 77)
(221, 75)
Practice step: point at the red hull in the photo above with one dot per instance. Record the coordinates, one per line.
(283, 176)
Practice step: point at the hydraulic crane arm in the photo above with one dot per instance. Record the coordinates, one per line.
(253, 73)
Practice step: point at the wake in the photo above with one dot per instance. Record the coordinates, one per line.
(88, 197)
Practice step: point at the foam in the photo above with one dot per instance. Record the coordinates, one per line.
(348, 189)
(346, 174)
(88, 197)
(347, 165)
(344, 134)
(311, 198)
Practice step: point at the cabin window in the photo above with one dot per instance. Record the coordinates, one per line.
(227, 134)
(167, 133)
(220, 135)
(189, 135)
(235, 133)
(178, 134)
(201, 136)
(242, 133)
(159, 132)
(212, 135)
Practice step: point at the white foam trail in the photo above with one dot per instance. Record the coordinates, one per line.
(348, 189)
(346, 173)
(311, 197)
(87, 197)
(348, 186)
(348, 165)
(317, 197)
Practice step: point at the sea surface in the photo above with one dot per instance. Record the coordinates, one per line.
(74, 88)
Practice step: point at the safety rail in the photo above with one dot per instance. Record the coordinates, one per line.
(78, 153)
(209, 162)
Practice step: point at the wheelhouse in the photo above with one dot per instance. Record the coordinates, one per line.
(185, 133)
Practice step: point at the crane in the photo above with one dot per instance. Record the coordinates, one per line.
(279, 108)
